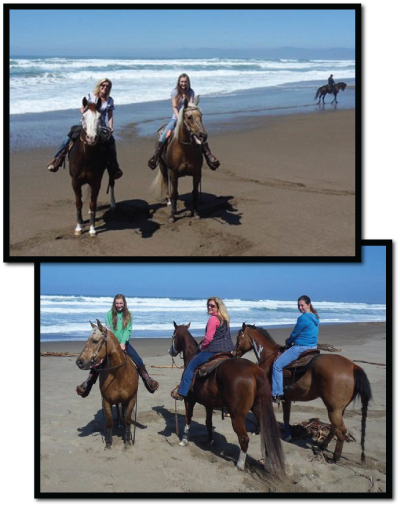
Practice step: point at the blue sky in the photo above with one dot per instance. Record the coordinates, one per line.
(125, 32)
(365, 282)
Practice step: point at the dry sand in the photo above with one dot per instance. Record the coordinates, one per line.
(286, 187)
(73, 458)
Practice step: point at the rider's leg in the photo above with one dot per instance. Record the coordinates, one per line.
(84, 388)
(150, 383)
(153, 162)
(211, 160)
(59, 157)
(112, 162)
(187, 377)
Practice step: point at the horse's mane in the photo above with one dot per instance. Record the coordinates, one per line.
(264, 333)
(180, 116)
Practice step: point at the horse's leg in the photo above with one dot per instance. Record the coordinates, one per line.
(188, 418)
(195, 195)
(339, 430)
(128, 421)
(109, 423)
(174, 194)
(210, 439)
(286, 419)
(92, 207)
(78, 203)
(111, 184)
(239, 426)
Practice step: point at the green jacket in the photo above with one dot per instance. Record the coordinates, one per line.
(122, 334)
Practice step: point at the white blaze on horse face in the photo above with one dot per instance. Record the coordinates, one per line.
(91, 123)
(257, 349)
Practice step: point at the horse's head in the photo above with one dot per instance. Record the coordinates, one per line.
(178, 339)
(192, 119)
(95, 349)
(91, 122)
(243, 341)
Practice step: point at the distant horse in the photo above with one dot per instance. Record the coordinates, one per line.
(333, 378)
(118, 377)
(183, 156)
(335, 88)
(87, 163)
(240, 386)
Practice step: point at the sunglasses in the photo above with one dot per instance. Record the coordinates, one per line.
(211, 305)
(104, 86)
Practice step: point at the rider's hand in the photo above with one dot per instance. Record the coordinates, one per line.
(122, 346)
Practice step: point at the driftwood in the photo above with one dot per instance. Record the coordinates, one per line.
(327, 347)
(166, 366)
(58, 354)
(373, 363)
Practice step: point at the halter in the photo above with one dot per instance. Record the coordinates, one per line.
(256, 354)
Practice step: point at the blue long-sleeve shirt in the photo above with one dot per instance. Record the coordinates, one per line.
(305, 332)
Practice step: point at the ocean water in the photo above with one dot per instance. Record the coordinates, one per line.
(46, 93)
(66, 317)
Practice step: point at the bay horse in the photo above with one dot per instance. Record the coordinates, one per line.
(239, 386)
(87, 163)
(118, 377)
(333, 378)
(183, 156)
(335, 88)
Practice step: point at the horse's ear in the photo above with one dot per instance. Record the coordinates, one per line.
(175, 325)
(100, 326)
(98, 104)
(85, 102)
(197, 100)
(92, 324)
(188, 325)
(243, 326)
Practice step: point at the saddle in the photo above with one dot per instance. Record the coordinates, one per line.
(301, 364)
(206, 369)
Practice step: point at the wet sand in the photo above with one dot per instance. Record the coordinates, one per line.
(286, 187)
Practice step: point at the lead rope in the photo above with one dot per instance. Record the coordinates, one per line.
(134, 427)
(176, 406)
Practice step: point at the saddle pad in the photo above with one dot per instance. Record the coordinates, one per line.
(301, 361)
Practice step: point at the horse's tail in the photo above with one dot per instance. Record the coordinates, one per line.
(362, 389)
(271, 447)
(316, 95)
(160, 185)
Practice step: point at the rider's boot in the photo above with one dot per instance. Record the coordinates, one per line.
(149, 382)
(211, 160)
(57, 161)
(112, 163)
(84, 388)
(153, 162)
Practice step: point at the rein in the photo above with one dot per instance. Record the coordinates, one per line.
(92, 360)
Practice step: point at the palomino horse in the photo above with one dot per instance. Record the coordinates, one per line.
(240, 386)
(333, 378)
(118, 377)
(335, 88)
(182, 157)
(87, 163)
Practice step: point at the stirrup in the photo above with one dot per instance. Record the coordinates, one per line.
(117, 174)
(152, 163)
(277, 398)
(175, 395)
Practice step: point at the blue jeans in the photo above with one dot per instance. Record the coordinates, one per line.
(130, 350)
(64, 144)
(279, 364)
(170, 126)
(187, 377)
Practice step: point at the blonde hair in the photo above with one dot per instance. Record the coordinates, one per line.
(222, 314)
(99, 83)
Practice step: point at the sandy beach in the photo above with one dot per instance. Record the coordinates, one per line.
(286, 187)
(73, 459)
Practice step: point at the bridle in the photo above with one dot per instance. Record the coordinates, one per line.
(181, 352)
(191, 134)
(253, 348)
(93, 359)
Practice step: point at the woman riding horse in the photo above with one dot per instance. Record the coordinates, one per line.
(304, 337)
(119, 320)
(102, 91)
(181, 92)
(217, 340)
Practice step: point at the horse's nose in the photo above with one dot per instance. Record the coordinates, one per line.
(79, 363)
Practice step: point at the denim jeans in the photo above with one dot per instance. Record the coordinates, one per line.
(187, 377)
(130, 350)
(170, 126)
(63, 145)
(279, 364)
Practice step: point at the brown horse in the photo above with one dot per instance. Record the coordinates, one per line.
(323, 90)
(87, 163)
(182, 157)
(239, 386)
(118, 376)
(333, 378)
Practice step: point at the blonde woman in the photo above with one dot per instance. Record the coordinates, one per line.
(217, 339)
(106, 109)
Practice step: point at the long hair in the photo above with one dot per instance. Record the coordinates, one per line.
(99, 83)
(126, 314)
(307, 300)
(178, 88)
(222, 314)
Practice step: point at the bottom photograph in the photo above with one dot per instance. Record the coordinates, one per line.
(214, 379)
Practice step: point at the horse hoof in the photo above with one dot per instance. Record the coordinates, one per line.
(239, 468)
(184, 442)
(78, 232)
(92, 233)
(211, 443)
(288, 439)
(171, 219)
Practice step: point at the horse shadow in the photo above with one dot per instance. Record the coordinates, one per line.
(134, 215)
(222, 449)
(97, 425)
(211, 206)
